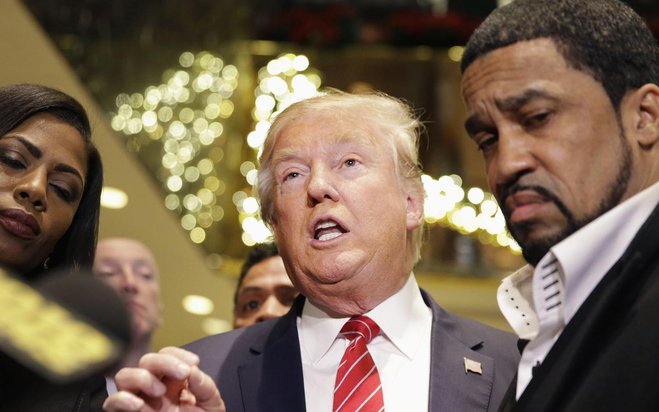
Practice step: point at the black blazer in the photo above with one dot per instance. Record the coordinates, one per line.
(607, 358)
(259, 368)
(34, 394)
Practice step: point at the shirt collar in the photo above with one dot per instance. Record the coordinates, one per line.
(515, 299)
(397, 316)
(588, 254)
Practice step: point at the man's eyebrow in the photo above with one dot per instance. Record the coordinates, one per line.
(37, 153)
(283, 155)
(509, 104)
(515, 102)
(250, 289)
(143, 263)
(285, 288)
(360, 138)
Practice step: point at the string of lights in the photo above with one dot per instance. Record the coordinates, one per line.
(185, 115)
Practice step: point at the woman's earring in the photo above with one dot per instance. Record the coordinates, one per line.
(45, 263)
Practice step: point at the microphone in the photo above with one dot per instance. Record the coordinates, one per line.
(64, 328)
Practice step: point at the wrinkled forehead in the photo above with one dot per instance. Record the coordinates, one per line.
(501, 72)
(336, 137)
(322, 131)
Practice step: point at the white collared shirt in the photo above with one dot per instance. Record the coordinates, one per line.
(401, 352)
(110, 385)
(538, 302)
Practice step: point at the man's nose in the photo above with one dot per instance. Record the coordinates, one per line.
(129, 281)
(514, 157)
(321, 186)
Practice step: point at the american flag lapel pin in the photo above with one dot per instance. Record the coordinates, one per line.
(473, 366)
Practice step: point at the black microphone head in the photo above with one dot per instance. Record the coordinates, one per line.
(65, 327)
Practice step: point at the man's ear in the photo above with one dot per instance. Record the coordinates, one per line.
(644, 104)
(415, 200)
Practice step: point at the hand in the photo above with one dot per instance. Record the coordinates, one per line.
(167, 381)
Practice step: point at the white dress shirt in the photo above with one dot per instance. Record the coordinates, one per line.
(110, 385)
(401, 352)
(538, 302)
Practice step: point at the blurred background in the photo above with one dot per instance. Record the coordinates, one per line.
(181, 93)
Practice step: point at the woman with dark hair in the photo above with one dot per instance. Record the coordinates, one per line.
(50, 182)
(50, 190)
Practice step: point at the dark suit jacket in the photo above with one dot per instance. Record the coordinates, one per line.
(607, 358)
(26, 392)
(259, 368)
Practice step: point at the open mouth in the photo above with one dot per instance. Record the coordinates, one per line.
(328, 230)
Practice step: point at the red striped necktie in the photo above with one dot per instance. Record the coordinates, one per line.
(358, 386)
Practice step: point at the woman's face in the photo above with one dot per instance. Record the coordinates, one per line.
(43, 164)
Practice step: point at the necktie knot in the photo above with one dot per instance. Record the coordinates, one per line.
(360, 326)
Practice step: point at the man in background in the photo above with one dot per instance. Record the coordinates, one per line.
(563, 101)
(128, 266)
(264, 289)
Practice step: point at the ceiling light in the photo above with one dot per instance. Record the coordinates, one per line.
(113, 198)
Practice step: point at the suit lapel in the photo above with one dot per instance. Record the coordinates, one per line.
(97, 397)
(509, 399)
(452, 387)
(273, 380)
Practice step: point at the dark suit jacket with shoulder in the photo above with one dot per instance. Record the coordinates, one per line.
(607, 358)
(259, 368)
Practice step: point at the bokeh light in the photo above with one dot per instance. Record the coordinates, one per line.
(185, 115)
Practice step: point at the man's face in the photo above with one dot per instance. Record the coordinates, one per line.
(556, 156)
(342, 215)
(130, 269)
(266, 292)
